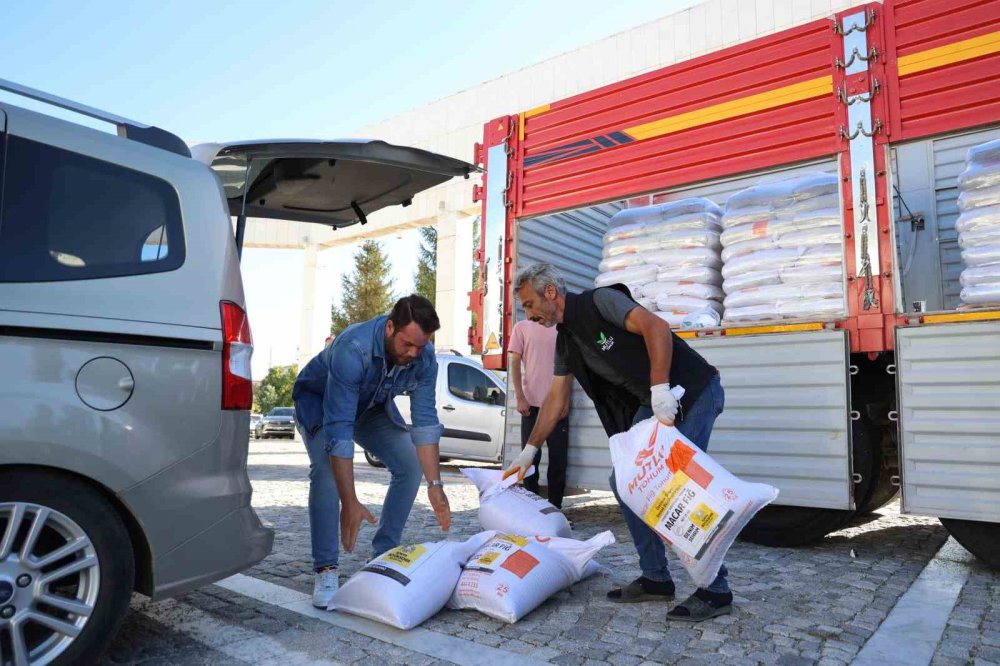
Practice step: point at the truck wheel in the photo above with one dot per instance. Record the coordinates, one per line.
(881, 493)
(373, 460)
(789, 526)
(66, 569)
(980, 539)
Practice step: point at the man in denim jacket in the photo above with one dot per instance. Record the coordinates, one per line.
(345, 395)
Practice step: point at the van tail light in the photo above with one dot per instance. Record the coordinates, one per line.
(237, 349)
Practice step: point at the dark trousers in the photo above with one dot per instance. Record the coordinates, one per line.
(558, 443)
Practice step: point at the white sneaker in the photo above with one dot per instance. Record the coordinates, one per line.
(324, 587)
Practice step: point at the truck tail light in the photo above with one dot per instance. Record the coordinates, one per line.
(237, 349)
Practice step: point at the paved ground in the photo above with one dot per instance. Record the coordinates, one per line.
(795, 606)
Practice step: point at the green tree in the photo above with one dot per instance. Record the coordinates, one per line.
(425, 277)
(476, 267)
(275, 389)
(367, 291)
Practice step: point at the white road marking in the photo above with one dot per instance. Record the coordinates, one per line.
(238, 642)
(912, 630)
(424, 641)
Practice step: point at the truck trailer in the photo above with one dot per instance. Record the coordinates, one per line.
(841, 414)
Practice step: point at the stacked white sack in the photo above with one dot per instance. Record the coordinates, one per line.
(978, 227)
(668, 257)
(783, 251)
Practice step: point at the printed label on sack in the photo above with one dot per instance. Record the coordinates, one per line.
(686, 515)
(390, 563)
(759, 229)
(537, 503)
(504, 552)
(404, 556)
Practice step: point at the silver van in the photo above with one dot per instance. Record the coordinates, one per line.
(472, 407)
(125, 387)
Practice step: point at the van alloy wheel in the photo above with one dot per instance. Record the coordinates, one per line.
(49, 582)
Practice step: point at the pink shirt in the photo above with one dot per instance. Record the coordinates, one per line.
(537, 346)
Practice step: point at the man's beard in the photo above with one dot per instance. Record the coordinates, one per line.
(391, 352)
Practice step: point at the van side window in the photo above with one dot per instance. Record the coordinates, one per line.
(71, 217)
(464, 380)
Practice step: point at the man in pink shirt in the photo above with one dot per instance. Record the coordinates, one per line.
(535, 346)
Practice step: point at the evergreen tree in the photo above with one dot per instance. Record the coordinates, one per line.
(476, 267)
(425, 278)
(367, 292)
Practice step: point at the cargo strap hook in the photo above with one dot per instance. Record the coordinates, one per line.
(869, 19)
(857, 55)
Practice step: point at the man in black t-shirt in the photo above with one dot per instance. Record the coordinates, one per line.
(626, 359)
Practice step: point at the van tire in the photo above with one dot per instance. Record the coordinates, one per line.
(979, 538)
(373, 460)
(99, 519)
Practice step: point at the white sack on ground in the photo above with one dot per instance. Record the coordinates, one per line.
(408, 584)
(512, 575)
(506, 507)
(695, 505)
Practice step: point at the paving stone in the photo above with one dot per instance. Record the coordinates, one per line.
(794, 606)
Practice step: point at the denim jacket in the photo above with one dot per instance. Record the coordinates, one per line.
(351, 375)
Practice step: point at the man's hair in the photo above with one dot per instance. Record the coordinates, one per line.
(540, 276)
(415, 308)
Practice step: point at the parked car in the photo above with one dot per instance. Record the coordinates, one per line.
(255, 419)
(471, 403)
(279, 422)
(125, 349)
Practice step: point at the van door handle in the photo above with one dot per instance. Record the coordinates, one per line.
(449, 408)
(126, 383)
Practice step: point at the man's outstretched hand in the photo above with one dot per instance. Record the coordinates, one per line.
(439, 502)
(351, 515)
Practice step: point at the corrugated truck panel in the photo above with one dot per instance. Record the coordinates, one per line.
(945, 65)
(759, 104)
(573, 242)
(786, 415)
(949, 389)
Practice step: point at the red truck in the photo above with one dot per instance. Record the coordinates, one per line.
(902, 393)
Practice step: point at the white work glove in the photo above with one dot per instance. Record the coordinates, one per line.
(664, 403)
(522, 463)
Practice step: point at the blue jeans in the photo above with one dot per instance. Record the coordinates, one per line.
(696, 426)
(375, 433)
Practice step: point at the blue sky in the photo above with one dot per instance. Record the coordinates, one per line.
(212, 70)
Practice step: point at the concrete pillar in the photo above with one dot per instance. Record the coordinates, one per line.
(307, 345)
(454, 281)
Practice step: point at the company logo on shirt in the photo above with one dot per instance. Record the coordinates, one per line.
(605, 343)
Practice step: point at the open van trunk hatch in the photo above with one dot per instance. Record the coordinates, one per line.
(336, 183)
